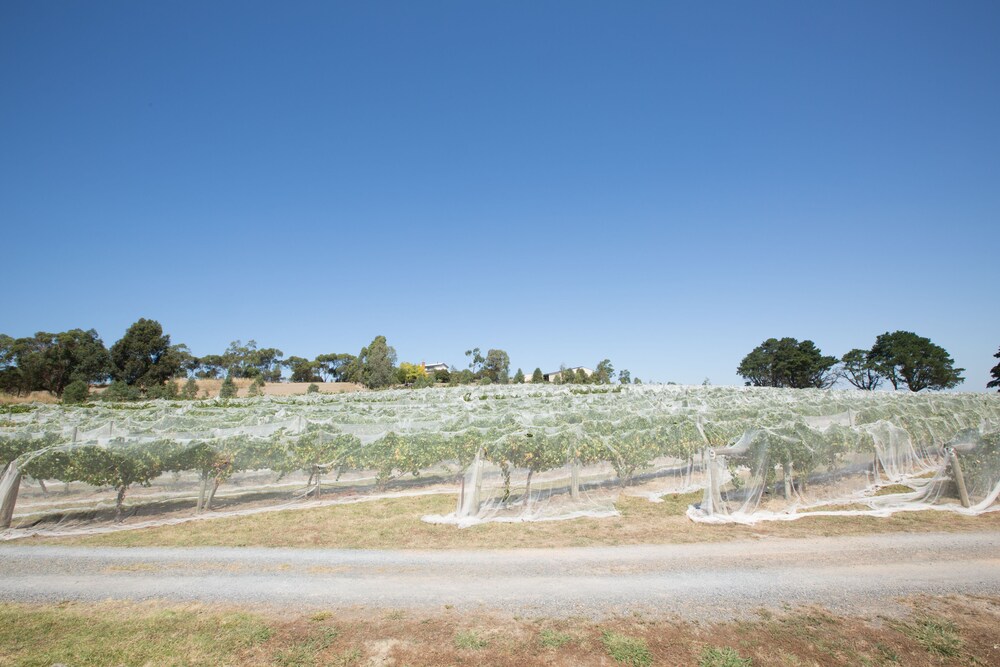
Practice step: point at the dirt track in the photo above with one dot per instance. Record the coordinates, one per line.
(712, 581)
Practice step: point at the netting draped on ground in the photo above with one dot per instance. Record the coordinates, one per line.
(506, 453)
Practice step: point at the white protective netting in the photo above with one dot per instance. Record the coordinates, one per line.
(512, 453)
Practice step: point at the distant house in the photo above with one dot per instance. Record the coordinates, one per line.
(434, 368)
(554, 375)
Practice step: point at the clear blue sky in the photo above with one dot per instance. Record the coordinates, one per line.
(664, 184)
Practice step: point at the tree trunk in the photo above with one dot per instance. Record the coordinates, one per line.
(319, 483)
(41, 483)
(527, 489)
(202, 491)
(786, 469)
(211, 496)
(10, 484)
(574, 489)
(118, 504)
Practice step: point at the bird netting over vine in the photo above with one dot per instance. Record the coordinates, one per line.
(511, 453)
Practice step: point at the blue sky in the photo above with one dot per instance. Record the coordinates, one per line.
(665, 185)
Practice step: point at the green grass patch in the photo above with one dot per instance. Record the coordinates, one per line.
(470, 639)
(73, 634)
(714, 656)
(553, 639)
(303, 653)
(626, 650)
(936, 636)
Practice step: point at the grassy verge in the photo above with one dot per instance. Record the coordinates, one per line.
(934, 631)
(395, 524)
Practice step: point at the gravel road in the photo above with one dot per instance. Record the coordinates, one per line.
(710, 581)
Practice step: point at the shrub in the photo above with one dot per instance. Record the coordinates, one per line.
(228, 388)
(119, 392)
(76, 392)
(256, 388)
(168, 390)
(190, 390)
(313, 389)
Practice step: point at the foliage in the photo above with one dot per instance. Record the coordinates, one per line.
(995, 373)
(304, 370)
(518, 377)
(256, 387)
(904, 358)
(51, 361)
(120, 392)
(251, 361)
(787, 363)
(338, 367)
(120, 466)
(378, 362)
(626, 650)
(496, 366)
(190, 390)
(604, 373)
(228, 388)
(76, 391)
(859, 370)
(312, 389)
(624, 376)
(410, 373)
(167, 391)
(537, 377)
(631, 452)
(143, 356)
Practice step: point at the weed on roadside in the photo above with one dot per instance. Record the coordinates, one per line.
(626, 650)
(714, 656)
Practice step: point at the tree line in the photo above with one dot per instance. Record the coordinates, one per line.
(900, 358)
(140, 364)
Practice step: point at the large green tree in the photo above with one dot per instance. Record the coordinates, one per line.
(51, 361)
(995, 382)
(858, 369)
(906, 359)
(496, 366)
(787, 363)
(302, 369)
(336, 367)
(251, 361)
(604, 372)
(378, 364)
(143, 356)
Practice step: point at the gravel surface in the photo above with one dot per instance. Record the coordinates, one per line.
(863, 574)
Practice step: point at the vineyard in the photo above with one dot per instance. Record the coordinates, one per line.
(514, 453)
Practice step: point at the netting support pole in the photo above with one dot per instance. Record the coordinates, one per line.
(714, 483)
(956, 467)
(574, 489)
(471, 504)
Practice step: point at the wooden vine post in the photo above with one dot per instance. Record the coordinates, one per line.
(956, 468)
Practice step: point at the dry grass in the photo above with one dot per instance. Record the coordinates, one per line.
(152, 633)
(210, 388)
(395, 524)
(33, 397)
